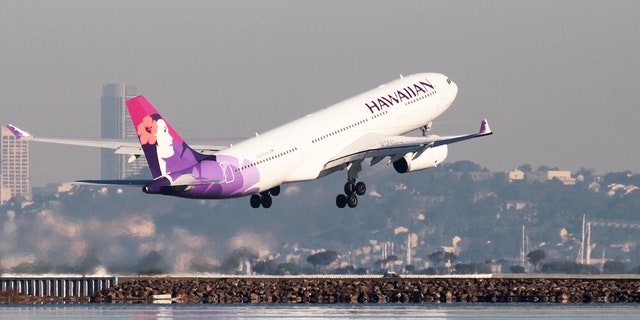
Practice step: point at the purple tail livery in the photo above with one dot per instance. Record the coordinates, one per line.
(179, 170)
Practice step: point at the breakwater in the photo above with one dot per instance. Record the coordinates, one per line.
(372, 290)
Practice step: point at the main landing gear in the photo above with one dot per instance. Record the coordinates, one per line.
(351, 189)
(264, 198)
(351, 192)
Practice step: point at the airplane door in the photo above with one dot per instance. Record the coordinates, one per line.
(227, 172)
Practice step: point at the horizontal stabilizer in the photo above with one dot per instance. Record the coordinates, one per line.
(123, 146)
(129, 183)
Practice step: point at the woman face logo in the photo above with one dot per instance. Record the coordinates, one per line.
(164, 140)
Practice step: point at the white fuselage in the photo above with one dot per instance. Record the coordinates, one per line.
(299, 150)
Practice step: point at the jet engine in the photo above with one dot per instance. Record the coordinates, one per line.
(427, 159)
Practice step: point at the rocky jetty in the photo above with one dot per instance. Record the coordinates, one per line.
(372, 290)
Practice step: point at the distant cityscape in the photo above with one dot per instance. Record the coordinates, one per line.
(474, 222)
(115, 124)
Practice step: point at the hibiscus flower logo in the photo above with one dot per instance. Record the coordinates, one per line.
(147, 130)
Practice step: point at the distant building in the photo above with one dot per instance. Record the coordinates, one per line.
(542, 176)
(517, 205)
(562, 176)
(515, 175)
(116, 124)
(14, 173)
(481, 175)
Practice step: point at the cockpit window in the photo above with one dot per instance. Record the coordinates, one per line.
(448, 81)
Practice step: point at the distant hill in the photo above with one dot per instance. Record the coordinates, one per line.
(458, 206)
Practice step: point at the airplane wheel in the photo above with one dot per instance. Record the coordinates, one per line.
(352, 200)
(267, 201)
(361, 188)
(255, 201)
(341, 201)
(348, 187)
(275, 191)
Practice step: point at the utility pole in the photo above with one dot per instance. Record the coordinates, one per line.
(589, 242)
(524, 249)
(580, 257)
(408, 248)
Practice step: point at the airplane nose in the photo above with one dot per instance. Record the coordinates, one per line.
(453, 90)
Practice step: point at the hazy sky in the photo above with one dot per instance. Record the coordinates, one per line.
(558, 80)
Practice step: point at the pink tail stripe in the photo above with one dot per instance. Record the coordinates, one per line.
(139, 108)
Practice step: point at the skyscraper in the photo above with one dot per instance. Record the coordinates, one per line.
(116, 124)
(14, 173)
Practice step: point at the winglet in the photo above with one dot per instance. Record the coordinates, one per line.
(19, 133)
(484, 127)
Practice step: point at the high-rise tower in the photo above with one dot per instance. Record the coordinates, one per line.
(14, 172)
(116, 124)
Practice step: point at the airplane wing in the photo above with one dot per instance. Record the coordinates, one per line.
(128, 147)
(377, 147)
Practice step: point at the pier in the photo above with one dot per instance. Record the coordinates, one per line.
(61, 286)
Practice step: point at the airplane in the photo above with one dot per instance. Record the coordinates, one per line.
(369, 126)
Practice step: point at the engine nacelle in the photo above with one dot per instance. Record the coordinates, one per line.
(428, 159)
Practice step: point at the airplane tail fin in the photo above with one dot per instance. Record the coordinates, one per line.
(165, 150)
